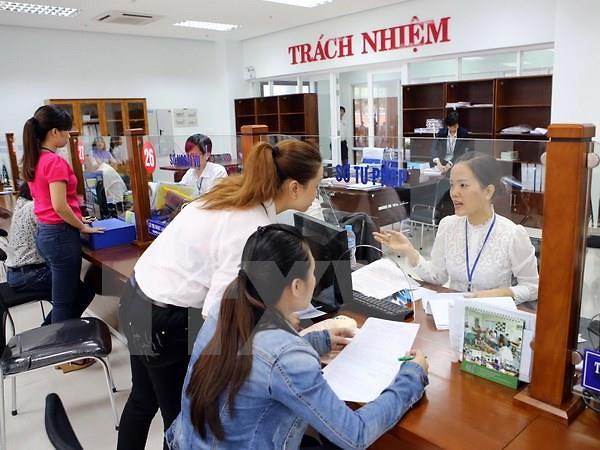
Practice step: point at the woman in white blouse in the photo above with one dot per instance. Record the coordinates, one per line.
(476, 249)
(189, 266)
(204, 174)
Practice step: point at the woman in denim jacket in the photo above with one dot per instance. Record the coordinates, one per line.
(254, 383)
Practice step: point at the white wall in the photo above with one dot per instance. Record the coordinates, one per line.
(472, 27)
(170, 73)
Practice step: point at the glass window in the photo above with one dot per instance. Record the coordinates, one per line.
(431, 71)
(490, 66)
(283, 88)
(537, 61)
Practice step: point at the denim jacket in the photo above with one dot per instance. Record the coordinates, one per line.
(286, 391)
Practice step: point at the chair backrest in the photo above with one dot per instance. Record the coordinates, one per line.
(3, 318)
(58, 428)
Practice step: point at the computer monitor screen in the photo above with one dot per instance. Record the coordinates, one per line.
(329, 246)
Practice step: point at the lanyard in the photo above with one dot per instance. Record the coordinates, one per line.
(471, 271)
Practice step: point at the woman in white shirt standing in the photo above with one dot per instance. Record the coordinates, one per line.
(476, 249)
(190, 264)
(204, 174)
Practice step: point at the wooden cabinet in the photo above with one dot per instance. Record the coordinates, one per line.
(294, 114)
(105, 117)
(494, 105)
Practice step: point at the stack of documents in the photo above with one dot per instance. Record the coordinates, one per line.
(380, 279)
(369, 363)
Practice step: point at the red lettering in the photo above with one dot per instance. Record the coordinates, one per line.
(433, 33)
(293, 53)
(345, 46)
(371, 41)
(327, 48)
(305, 53)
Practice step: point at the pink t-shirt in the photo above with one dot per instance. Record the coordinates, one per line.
(51, 168)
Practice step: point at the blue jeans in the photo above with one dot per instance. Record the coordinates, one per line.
(36, 280)
(60, 246)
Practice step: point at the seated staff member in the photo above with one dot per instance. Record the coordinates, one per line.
(191, 263)
(26, 269)
(477, 249)
(449, 144)
(207, 173)
(254, 383)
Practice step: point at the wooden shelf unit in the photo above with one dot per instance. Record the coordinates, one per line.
(284, 114)
(105, 116)
(514, 101)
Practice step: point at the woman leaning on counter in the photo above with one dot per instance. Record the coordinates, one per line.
(191, 263)
(476, 249)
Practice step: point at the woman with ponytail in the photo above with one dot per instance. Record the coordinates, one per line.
(254, 383)
(53, 187)
(189, 266)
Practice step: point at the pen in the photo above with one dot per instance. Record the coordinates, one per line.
(406, 358)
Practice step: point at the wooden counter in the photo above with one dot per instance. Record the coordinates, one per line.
(459, 410)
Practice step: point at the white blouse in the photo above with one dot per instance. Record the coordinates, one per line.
(206, 180)
(191, 263)
(507, 253)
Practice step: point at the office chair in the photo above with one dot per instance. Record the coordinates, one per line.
(48, 346)
(425, 206)
(58, 427)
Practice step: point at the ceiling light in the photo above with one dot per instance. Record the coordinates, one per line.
(303, 3)
(43, 10)
(206, 25)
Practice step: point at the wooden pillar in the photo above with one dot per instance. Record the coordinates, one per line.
(14, 165)
(75, 162)
(251, 134)
(561, 278)
(139, 186)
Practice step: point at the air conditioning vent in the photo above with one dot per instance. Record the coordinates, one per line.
(126, 18)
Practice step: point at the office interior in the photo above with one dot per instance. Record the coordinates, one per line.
(516, 64)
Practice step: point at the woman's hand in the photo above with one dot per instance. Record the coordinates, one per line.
(340, 338)
(420, 359)
(499, 292)
(400, 243)
(90, 230)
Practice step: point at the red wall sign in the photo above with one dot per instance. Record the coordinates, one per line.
(413, 35)
(81, 152)
(149, 157)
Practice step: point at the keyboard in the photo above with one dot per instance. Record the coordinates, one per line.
(380, 308)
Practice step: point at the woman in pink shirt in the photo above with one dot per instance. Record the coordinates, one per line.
(56, 206)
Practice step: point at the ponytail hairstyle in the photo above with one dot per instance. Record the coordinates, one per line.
(273, 257)
(265, 170)
(44, 120)
(202, 141)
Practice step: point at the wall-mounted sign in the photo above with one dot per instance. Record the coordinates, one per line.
(413, 35)
(81, 152)
(149, 155)
(185, 117)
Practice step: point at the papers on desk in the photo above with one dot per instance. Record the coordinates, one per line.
(310, 313)
(380, 279)
(364, 187)
(370, 362)
(437, 305)
(432, 172)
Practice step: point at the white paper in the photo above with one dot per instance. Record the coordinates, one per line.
(310, 313)
(580, 339)
(380, 279)
(369, 363)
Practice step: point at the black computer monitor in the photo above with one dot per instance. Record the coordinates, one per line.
(329, 246)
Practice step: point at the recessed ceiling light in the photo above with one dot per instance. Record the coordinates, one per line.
(43, 10)
(303, 3)
(206, 25)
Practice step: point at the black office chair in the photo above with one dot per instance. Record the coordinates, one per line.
(51, 345)
(58, 427)
(425, 206)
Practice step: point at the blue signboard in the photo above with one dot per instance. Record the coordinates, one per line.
(591, 370)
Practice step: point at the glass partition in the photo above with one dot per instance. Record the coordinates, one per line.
(5, 169)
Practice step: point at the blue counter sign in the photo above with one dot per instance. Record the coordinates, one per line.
(591, 370)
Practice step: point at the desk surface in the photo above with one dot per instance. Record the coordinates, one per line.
(462, 411)
(459, 410)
